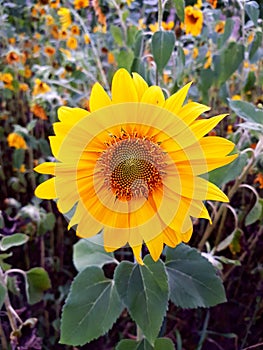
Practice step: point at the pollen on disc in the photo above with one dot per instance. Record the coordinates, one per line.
(132, 166)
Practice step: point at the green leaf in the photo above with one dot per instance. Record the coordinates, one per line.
(131, 35)
(14, 240)
(46, 223)
(192, 279)
(37, 281)
(127, 344)
(180, 64)
(247, 111)
(160, 344)
(163, 343)
(2, 294)
(254, 214)
(18, 158)
(228, 30)
(147, 291)
(91, 308)
(139, 43)
(228, 172)
(139, 66)
(179, 7)
(91, 252)
(162, 47)
(122, 275)
(255, 44)
(228, 61)
(124, 58)
(252, 9)
(116, 32)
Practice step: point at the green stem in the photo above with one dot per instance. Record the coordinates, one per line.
(160, 14)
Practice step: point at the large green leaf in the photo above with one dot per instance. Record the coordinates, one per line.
(179, 6)
(37, 281)
(124, 58)
(228, 172)
(256, 43)
(14, 240)
(162, 47)
(192, 279)
(2, 294)
(160, 344)
(252, 9)
(91, 308)
(228, 61)
(117, 34)
(122, 275)
(247, 111)
(91, 252)
(146, 296)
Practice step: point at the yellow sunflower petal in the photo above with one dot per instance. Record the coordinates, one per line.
(140, 84)
(155, 247)
(71, 115)
(170, 238)
(47, 189)
(98, 98)
(137, 253)
(192, 110)
(123, 88)
(115, 238)
(153, 95)
(175, 102)
(46, 168)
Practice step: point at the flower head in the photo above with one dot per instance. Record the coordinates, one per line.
(131, 165)
(78, 4)
(65, 17)
(193, 23)
(15, 140)
(40, 87)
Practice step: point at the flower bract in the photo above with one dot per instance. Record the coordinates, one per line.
(131, 165)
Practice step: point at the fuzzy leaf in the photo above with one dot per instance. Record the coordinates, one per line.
(91, 308)
(162, 47)
(14, 240)
(192, 279)
(37, 282)
(91, 252)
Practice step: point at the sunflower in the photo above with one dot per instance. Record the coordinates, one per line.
(193, 23)
(16, 140)
(65, 17)
(79, 4)
(131, 165)
(40, 87)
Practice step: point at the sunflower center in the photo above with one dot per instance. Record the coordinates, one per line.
(132, 166)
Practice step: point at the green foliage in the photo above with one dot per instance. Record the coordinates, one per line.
(37, 281)
(14, 240)
(247, 111)
(179, 6)
(228, 172)
(147, 286)
(2, 294)
(162, 47)
(92, 306)
(91, 252)
(252, 9)
(192, 279)
(160, 344)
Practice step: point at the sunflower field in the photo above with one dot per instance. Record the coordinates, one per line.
(131, 174)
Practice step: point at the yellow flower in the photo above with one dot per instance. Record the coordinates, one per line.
(220, 27)
(67, 53)
(208, 61)
(7, 79)
(65, 17)
(236, 97)
(213, 3)
(40, 87)
(49, 50)
(54, 4)
(86, 38)
(75, 30)
(15, 140)
(39, 112)
(72, 43)
(49, 20)
(165, 25)
(129, 2)
(78, 4)
(111, 58)
(23, 87)
(195, 52)
(12, 57)
(250, 37)
(131, 165)
(193, 21)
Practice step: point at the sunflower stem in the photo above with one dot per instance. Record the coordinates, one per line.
(160, 14)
